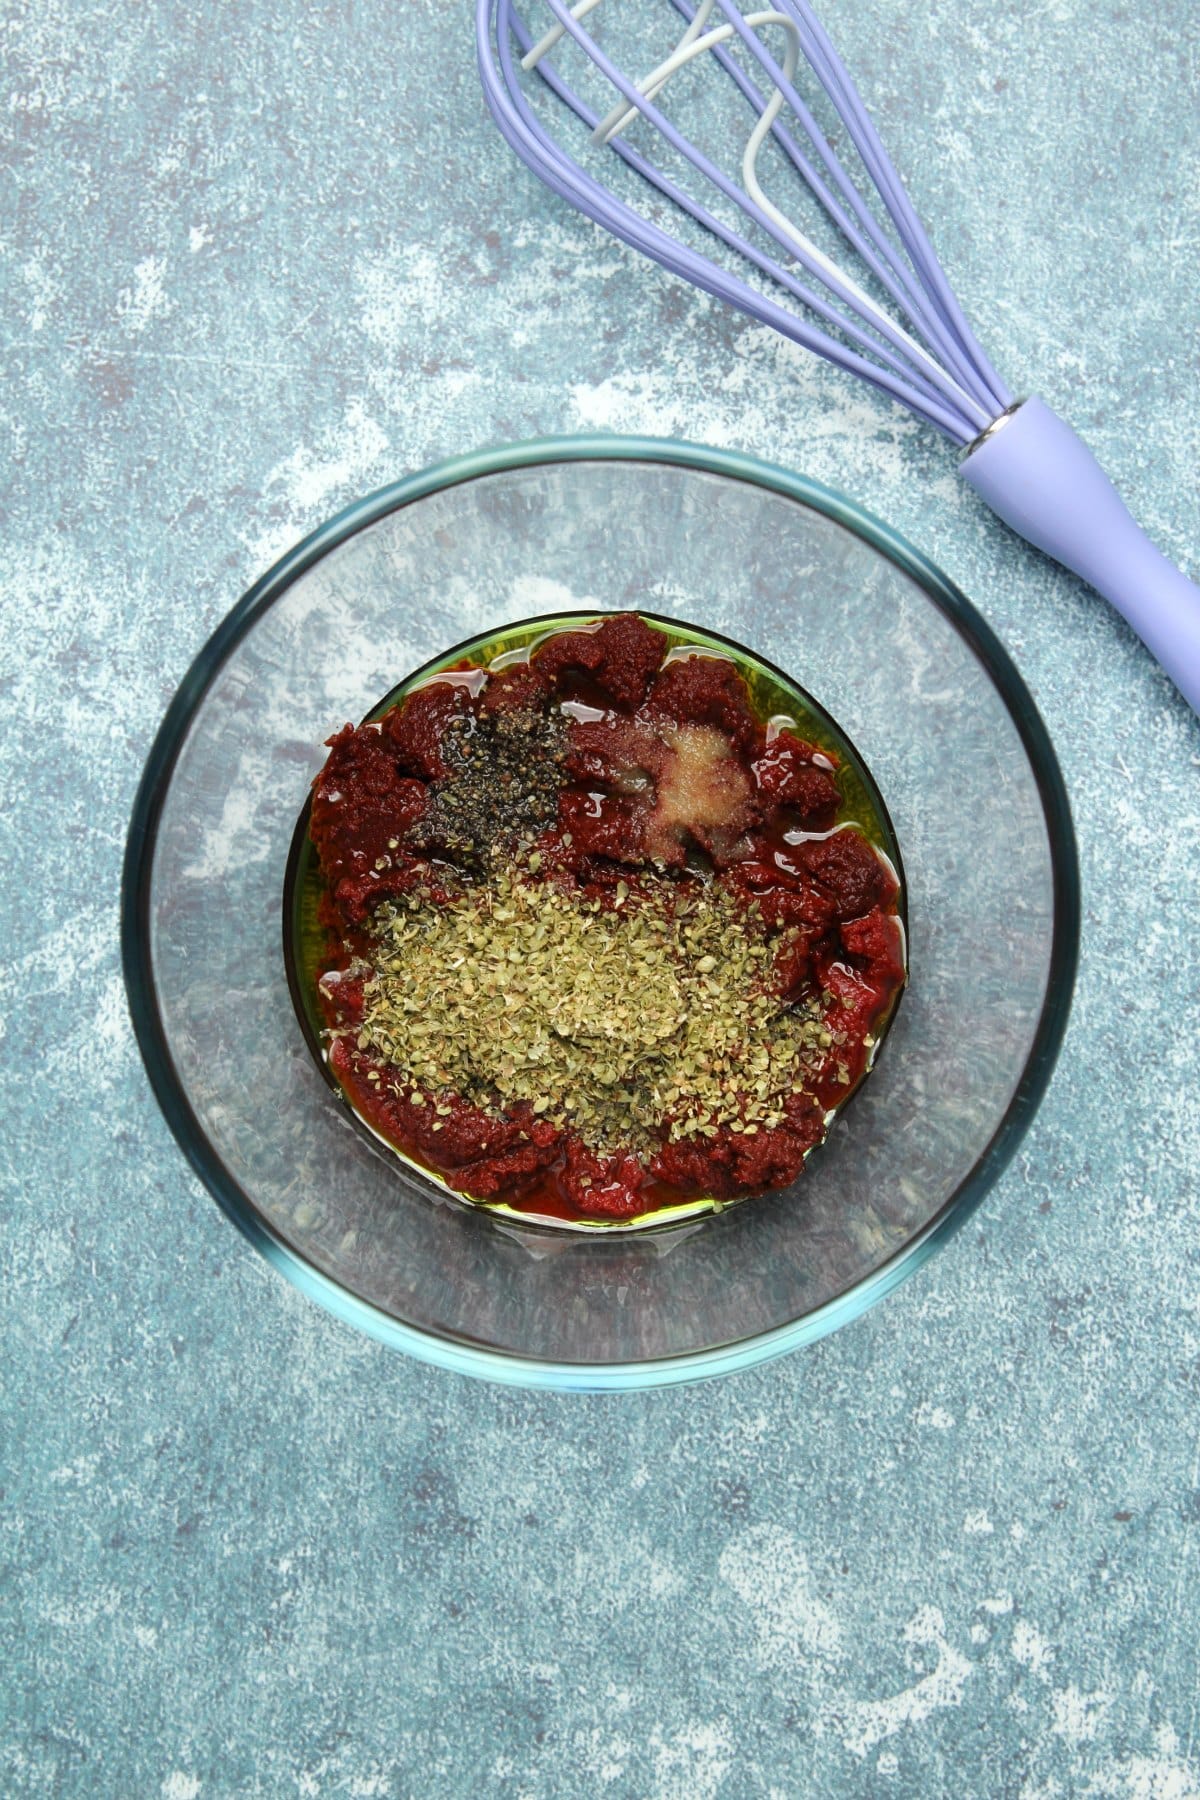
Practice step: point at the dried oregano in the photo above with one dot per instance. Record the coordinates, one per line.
(652, 1016)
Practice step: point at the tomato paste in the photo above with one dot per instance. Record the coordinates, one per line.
(600, 939)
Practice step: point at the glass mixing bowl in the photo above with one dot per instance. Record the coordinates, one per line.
(858, 618)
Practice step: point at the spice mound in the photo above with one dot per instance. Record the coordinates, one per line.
(600, 941)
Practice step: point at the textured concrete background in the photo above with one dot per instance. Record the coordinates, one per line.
(261, 258)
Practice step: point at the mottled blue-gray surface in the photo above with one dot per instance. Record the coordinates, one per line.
(256, 260)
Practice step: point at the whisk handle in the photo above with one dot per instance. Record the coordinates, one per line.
(1042, 480)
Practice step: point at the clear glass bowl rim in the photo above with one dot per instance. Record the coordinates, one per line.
(473, 1358)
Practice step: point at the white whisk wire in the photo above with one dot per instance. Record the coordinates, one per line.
(834, 77)
(566, 177)
(859, 228)
(929, 305)
(917, 366)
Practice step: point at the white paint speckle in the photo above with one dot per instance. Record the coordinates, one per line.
(179, 1786)
(309, 476)
(874, 1720)
(691, 1764)
(977, 1524)
(44, 291)
(1031, 1649)
(1078, 1716)
(1163, 1776)
(769, 1572)
(146, 297)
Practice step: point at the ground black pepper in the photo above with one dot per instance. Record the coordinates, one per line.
(502, 789)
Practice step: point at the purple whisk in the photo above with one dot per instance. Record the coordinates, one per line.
(897, 326)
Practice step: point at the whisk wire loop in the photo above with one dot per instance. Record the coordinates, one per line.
(920, 358)
(833, 74)
(689, 46)
(693, 45)
(566, 177)
(972, 416)
(942, 330)
(859, 228)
